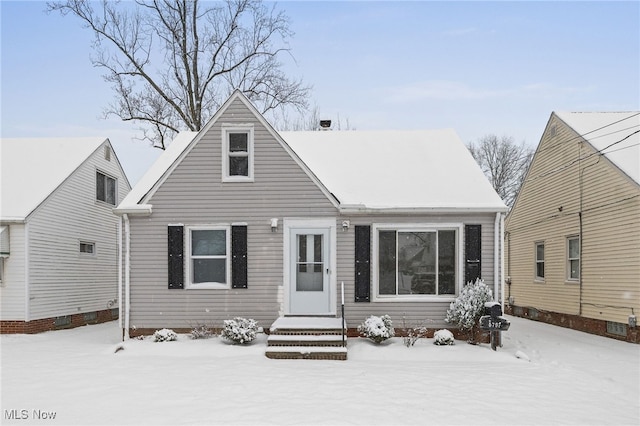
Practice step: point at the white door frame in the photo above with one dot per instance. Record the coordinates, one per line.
(291, 224)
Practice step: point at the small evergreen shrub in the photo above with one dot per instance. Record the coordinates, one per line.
(165, 335)
(443, 338)
(376, 328)
(466, 310)
(240, 330)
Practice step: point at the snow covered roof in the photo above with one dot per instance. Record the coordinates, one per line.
(31, 169)
(396, 169)
(157, 170)
(370, 170)
(616, 134)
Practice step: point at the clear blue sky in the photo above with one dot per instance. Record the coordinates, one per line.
(478, 67)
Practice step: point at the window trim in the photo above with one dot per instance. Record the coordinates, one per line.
(536, 261)
(415, 227)
(115, 188)
(569, 259)
(189, 285)
(227, 129)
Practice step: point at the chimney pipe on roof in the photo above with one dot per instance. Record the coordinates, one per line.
(325, 124)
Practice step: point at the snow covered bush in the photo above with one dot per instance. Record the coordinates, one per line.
(201, 332)
(411, 333)
(240, 330)
(443, 338)
(165, 335)
(376, 328)
(468, 307)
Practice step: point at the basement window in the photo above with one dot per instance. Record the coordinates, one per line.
(617, 328)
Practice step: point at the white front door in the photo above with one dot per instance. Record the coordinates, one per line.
(310, 271)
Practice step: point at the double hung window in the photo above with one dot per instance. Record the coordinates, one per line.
(540, 261)
(237, 158)
(209, 257)
(105, 188)
(573, 258)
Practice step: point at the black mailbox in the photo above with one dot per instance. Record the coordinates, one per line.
(493, 309)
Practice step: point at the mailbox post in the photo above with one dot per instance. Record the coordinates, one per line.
(494, 322)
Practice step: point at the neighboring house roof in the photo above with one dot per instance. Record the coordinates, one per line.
(31, 169)
(364, 170)
(615, 134)
(395, 169)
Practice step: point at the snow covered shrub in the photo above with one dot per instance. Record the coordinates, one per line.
(377, 329)
(201, 332)
(240, 330)
(468, 307)
(165, 335)
(443, 338)
(411, 333)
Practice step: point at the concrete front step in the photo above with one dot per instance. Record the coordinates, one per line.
(307, 352)
(306, 338)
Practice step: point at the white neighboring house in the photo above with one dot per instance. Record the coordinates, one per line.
(58, 244)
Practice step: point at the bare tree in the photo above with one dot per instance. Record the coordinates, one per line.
(503, 162)
(173, 62)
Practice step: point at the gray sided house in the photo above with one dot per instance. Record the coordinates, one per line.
(240, 220)
(59, 236)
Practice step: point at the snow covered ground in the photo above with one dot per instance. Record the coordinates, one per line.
(561, 377)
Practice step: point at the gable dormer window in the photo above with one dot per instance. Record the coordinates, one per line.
(237, 153)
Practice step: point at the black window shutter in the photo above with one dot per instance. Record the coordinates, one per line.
(473, 252)
(363, 263)
(239, 256)
(176, 256)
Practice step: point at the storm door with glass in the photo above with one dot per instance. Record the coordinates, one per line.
(309, 292)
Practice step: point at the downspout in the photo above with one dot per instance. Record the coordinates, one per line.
(502, 280)
(496, 258)
(27, 276)
(127, 275)
(120, 311)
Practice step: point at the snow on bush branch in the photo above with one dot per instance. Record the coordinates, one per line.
(240, 330)
(377, 329)
(165, 335)
(467, 309)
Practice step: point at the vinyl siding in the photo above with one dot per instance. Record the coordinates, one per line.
(611, 231)
(427, 313)
(194, 194)
(12, 290)
(62, 280)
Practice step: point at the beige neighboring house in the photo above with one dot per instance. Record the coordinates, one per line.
(573, 235)
(58, 246)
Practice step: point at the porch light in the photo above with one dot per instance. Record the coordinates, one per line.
(274, 224)
(345, 225)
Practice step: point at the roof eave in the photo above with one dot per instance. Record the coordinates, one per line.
(362, 209)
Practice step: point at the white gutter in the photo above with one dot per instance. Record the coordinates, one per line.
(139, 209)
(127, 273)
(361, 209)
(502, 261)
(496, 255)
